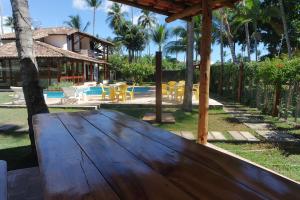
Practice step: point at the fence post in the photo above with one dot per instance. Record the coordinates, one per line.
(158, 86)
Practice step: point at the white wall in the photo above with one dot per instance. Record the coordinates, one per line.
(57, 41)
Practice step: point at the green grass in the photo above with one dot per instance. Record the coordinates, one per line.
(283, 159)
(5, 97)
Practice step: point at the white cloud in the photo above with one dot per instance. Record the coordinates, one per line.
(105, 5)
(80, 5)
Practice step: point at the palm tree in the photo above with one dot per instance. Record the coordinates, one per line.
(9, 22)
(76, 22)
(160, 35)
(94, 4)
(33, 92)
(115, 17)
(187, 100)
(147, 20)
(180, 43)
(228, 34)
(285, 28)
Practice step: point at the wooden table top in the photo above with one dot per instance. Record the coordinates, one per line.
(109, 155)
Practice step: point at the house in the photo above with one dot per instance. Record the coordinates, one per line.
(63, 54)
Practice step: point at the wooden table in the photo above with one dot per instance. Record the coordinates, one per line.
(108, 155)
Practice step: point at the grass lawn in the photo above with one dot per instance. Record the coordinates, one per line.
(14, 145)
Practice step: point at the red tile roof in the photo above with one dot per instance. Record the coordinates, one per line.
(43, 50)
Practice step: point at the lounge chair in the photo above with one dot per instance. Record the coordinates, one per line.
(71, 95)
(18, 96)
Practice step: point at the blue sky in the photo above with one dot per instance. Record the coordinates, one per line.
(47, 13)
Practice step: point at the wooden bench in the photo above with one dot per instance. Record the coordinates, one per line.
(3, 180)
(109, 155)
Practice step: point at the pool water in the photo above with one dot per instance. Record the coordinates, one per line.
(95, 91)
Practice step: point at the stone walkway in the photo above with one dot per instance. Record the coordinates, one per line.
(256, 122)
(238, 136)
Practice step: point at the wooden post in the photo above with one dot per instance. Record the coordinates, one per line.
(204, 72)
(158, 79)
(240, 84)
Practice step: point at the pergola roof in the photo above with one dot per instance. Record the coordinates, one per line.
(172, 7)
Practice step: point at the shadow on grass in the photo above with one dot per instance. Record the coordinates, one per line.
(18, 157)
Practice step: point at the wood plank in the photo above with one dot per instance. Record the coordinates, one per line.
(129, 177)
(3, 180)
(237, 136)
(218, 135)
(263, 181)
(249, 136)
(75, 177)
(177, 168)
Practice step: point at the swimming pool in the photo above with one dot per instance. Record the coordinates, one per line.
(96, 91)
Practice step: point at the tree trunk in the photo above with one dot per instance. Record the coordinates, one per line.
(229, 36)
(33, 93)
(276, 100)
(247, 39)
(94, 18)
(188, 90)
(288, 101)
(285, 28)
(255, 41)
(220, 88)
(240, 83)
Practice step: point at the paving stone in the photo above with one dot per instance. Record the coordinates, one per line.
(210, 136)
(259, 126)
(276, 136)
(237, 136)
(249, 136)
(188, 135)
(177, 133)
(218, 135)
(166, 118)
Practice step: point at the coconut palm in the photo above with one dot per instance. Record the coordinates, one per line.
(180, 43)
(29, 72)
(76, 22)
(160, 35)
(95, 5)
(147, 20)
(9, 22)
(285, 28)
(115, 17)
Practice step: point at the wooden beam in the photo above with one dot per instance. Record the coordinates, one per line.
(185, 13)
(197, 9)
(158, 74)
(204, 72)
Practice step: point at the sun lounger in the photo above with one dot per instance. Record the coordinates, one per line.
(18, 96)
(71, 95)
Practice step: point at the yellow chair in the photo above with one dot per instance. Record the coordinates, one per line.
(172, 85)
(196, 91)
(112, 93)
(121, 93)
(179, 93)
(164, 89)
(181, 82)
(131, 92)
(104, 93)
